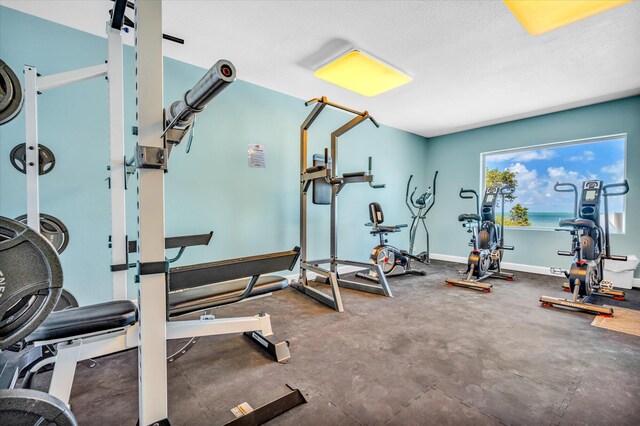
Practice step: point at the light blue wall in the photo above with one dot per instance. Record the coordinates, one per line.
(252, 211)
(459, 158)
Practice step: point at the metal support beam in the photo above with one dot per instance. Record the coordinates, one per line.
(152, 351)
(117, 166)
(31, 140)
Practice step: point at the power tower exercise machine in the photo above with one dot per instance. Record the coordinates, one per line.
(393, 261)
(590, 246)
(327, 184)
(487, 240)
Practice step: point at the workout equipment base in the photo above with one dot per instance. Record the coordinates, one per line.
(477, 284)
(374, 278)
(578, 305)
(614, 294)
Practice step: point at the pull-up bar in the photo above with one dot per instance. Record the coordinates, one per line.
(323, 100)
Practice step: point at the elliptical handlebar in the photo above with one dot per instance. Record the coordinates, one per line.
(558, 187)
(433, 193)
(408, 198)
(428, 196)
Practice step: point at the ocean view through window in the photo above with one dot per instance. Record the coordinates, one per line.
(535, 170)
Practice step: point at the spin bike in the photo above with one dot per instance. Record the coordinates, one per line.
(487, 240)
(393, 261)
(590, 246)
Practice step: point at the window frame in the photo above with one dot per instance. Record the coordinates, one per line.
(483, 162)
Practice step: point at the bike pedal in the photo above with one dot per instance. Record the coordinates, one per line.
(557, 271)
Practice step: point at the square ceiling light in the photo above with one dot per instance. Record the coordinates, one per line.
(361, 73)
(538, 16)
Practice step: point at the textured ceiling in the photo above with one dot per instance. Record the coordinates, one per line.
(473, 64)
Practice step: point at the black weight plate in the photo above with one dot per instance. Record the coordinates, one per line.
(46, 159)
(66, 301)
(31, 280)
(52, 229)
(10, 94)
(28, 407)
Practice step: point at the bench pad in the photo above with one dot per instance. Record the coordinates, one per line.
(209, 296)
(85, 320)
(121, 313)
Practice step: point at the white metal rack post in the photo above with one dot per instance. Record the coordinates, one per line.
(152, 365)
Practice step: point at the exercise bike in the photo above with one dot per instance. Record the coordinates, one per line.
(487, 240)
(393, 261)
(590, 246)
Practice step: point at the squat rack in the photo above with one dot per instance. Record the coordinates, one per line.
(326, 174)
(112, 70)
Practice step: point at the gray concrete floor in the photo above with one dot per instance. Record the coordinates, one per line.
(431, 355)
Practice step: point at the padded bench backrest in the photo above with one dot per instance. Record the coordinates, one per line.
(321, 189)
(375, 213)
(185, 277)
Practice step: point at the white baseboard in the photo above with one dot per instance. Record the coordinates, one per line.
(542, 270)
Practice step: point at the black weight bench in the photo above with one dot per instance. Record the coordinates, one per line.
(121, 313)
(97, 330)
(202, 286)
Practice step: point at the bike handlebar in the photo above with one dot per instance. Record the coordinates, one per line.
(468, 191)
(569, 187)
(624, 185)
(572, 187)
(507, 190)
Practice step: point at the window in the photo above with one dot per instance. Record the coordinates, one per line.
(535, 170)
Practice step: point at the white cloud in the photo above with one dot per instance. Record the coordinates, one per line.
(525, 156)
(563, 175)
(586, 156)
(614, 169)
(526, 178)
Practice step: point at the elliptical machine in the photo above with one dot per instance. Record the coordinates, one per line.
(590, 246)
(393, 261)
(422, 205)
(487, 240)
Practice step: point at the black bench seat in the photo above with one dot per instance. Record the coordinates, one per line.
(86, 320)
(121, 313)
(195, 288)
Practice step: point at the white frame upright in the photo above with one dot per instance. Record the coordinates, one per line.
(34, 85)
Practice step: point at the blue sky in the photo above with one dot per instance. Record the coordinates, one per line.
(539, 169)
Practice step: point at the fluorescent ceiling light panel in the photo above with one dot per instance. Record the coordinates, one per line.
(540, 16)
(361, 73)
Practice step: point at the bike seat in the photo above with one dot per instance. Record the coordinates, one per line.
(578, 223)
(468, 216)
(386, 229)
